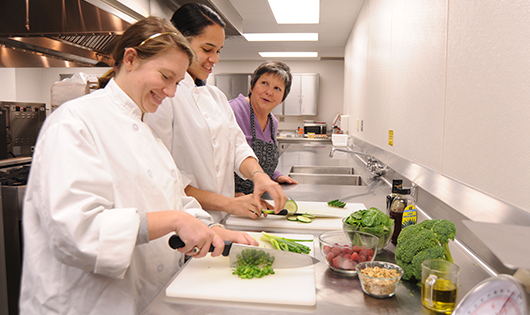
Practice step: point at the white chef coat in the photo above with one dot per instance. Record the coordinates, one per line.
(199, 128)
(96, 169)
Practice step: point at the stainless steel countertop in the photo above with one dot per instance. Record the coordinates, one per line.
(336, 294)
(326, 140)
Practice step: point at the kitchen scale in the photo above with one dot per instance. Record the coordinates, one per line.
(500, 295)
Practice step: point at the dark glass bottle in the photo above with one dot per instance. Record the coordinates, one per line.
(401, 200)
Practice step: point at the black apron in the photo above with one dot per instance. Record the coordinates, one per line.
(267, 154)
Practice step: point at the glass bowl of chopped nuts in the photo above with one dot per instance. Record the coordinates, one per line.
(379, 279)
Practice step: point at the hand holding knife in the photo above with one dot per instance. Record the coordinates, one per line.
(282, 259)
(284, 212)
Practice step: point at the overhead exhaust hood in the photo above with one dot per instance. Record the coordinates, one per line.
(56, 33)
(80, 33)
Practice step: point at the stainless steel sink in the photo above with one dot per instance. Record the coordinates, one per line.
(321, 169)
(328, 179)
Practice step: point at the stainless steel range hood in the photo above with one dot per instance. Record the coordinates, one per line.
(56, 33)
(79, 33)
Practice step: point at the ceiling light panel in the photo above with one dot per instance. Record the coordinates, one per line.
(289, 54)
(296, 11)
(281, 37)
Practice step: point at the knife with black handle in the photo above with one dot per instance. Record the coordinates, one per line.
(282, 259)
(176, 242)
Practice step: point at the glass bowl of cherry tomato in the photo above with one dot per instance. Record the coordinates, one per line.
(342, 252)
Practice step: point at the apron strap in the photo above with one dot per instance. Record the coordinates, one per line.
(253, 124)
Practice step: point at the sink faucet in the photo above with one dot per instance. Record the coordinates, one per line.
(375, 166)
(347, 150)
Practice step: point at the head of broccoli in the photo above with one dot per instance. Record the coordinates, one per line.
(426, 240)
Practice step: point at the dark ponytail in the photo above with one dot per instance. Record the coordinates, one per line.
(192, 18)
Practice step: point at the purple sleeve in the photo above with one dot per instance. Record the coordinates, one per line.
(275, 175)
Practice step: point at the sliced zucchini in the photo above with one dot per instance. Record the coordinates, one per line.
(304, 219)
(291, 206)
(336, 203)
(291, 218)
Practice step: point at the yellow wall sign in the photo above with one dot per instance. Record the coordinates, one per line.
(391, 137)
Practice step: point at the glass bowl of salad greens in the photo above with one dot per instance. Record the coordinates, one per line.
(373, 221)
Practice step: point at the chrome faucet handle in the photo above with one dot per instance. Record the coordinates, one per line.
(378, 169)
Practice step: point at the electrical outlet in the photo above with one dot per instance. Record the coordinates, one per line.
(391, 137)
(299, 119)
(362, 123)
(282, 119)
(357, 125)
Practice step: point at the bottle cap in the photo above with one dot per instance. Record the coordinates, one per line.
(397, 184)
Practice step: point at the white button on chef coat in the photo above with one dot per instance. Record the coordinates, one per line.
(207, 151)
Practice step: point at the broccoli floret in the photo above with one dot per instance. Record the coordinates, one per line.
(427, 224)
(426, 240)
(430, 253)
(445, 230)
(411, 245)
(408, 272)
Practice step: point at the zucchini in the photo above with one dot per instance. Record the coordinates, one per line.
(291, 218)
(336, 203)
(304, 219)
(291, 206)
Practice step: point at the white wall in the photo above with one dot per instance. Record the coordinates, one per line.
(7, 85)
(34, 84)
(331, 94)
(451, 78)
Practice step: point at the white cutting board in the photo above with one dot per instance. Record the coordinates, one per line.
(211, 278)
(280, 223)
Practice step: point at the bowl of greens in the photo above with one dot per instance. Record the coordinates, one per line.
(373, 221)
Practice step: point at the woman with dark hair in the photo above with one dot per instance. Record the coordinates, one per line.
(199, 128)
(269, 86)
(104, 194)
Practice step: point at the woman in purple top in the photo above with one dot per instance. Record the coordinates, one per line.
(269, 86)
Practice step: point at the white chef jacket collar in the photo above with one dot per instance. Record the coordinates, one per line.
(190, 82)
(122, 99)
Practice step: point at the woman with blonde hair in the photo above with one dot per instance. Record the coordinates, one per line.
(104, 194)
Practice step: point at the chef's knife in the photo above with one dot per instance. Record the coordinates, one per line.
(284, 212)
(282, 259)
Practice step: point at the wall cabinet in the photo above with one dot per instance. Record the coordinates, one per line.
(303, 98)
(233, 84)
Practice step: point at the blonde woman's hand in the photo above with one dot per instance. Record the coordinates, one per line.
(197, 236)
